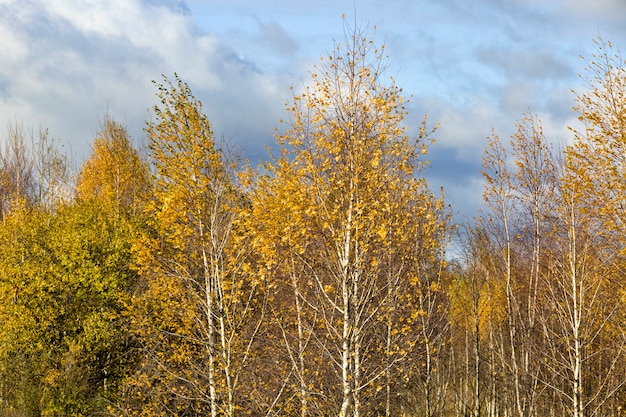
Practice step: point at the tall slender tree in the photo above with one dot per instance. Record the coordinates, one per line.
(194, 316)
(593, 186)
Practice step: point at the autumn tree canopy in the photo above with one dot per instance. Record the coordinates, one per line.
(363, 234)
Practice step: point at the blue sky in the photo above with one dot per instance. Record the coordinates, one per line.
(472, 66)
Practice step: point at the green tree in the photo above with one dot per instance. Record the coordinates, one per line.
(65, 286)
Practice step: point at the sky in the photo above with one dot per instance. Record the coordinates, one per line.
(475, 67)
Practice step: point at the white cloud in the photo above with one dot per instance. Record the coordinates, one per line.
(612, 10)
(65, 63)
(275, 37)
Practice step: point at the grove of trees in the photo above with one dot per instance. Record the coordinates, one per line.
(177, 281)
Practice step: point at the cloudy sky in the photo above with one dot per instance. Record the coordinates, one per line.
(472, 65)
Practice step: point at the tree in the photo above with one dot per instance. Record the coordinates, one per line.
(17, 180)
(600, 144)
(586, 300)
(537, 182)
(198, 312)
(21, 367)
(478, 306)
(114, 174)
(32, 172)
(547, 246)
(65, 284)
(506, 262)
(353, 232)
(502, 196)
(520, 195)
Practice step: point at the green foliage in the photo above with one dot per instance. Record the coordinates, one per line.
(65, 286)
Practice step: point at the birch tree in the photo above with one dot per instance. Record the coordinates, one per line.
(195, 314)
(521, 194)
(581, 310)
(587, 298)
(33, 170)
(361, 225)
